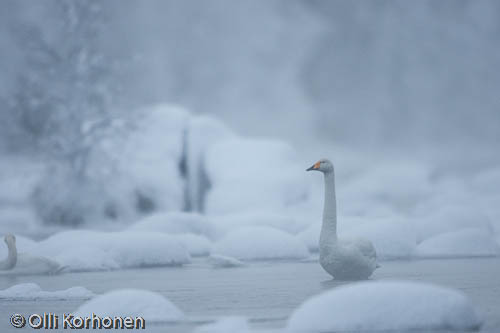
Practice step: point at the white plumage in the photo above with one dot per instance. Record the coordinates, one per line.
(344, 259)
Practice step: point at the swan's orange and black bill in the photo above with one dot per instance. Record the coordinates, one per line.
(314, 167)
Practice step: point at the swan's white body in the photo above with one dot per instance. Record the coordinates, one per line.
(354, 259)
(24, 263)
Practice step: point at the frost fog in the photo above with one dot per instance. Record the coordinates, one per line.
(153, 157)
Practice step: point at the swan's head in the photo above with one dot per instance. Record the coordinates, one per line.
(10, 239)
(324, 165)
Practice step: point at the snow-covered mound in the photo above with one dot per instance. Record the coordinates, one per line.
(226, 325)
(153, 307)
(203, 132)
(385, 305)
(91, 250)
(32, 291)
(461, 243)
(218, 261)
(253, 175)
(393, 238)
(253, 243)
(176, 223)
(229, 222)
(451, 218)
(310, 237)
(137, 166)
(190, 229)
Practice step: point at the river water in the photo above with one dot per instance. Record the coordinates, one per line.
(264, 292)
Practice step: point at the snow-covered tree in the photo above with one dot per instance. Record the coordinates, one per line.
(62, 103)
(63, 98)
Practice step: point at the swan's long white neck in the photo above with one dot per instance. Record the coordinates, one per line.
(11, 260)
(329, 227)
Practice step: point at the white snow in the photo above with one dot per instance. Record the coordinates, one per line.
(225, 325)
(176, 223)
(461, 243)
(32, 291)
(249, 175)
(310, 236)
(254, 243)
(143, 162)
(385, 305)
(191, 229)
(284, 222)
(219, 261)
(152, 306)
(92, 250)
(203, 132)
(451, 218)
(393, 238)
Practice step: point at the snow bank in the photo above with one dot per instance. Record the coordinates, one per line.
(218, 261)
(253, 175)
(284, 222)
(203, 132)
(396, 184)
(451, 217)
(32, 291)
(253, 243)
(176, 223)
(153, 307)
(91, 250)
(310, 237)
(225, 325)
(369, 306)
(138, 166)
(393, 238)
(461, 243)
(190, 229)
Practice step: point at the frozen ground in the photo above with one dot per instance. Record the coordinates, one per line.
(264, 292)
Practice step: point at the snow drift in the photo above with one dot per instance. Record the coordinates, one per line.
(385, 305)
(32, 291)
(153, 307)
(254, 243)
(92, 250)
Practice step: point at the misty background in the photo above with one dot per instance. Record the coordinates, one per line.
(402, 96)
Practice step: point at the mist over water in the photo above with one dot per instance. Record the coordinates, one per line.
(184, 128)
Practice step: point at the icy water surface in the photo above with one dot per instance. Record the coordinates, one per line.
(265, 292)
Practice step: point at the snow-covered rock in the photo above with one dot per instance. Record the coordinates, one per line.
(176, 223)
(138, 165)
(226, 325)
(393, 238)
(254, 243)
(310, 237)
(219, 261)
(462, 243)
(253, 175)
(203, 132)
(32, 291)
(385, 305)
(284, 222)
(153, 307)
(92, 250)
(451, 218)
